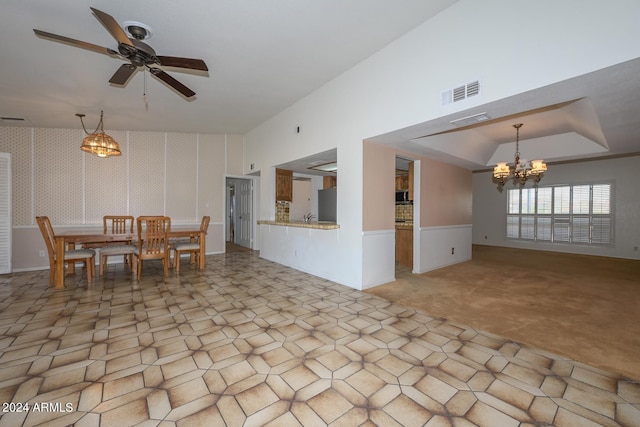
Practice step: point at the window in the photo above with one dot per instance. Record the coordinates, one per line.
(578, 214)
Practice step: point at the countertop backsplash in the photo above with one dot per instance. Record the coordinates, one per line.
(282, 211)
(404, 212)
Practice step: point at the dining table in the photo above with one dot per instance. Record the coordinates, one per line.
(66, 240)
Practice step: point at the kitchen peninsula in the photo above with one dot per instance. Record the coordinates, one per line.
(317, 225)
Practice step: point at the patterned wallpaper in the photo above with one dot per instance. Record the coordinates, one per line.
(159, 173)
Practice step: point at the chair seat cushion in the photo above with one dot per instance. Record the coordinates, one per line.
(186, 246)
(137, 252)
(117, 250)
(79, 254)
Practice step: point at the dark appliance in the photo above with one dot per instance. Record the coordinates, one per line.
(402, 197)
(327, 201)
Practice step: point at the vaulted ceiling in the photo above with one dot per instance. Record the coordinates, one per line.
(263, 56)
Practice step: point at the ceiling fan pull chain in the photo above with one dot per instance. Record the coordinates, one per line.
(144, 95)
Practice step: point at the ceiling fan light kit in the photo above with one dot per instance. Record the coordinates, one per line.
(138, 53)
(98, 142)
(522, 169)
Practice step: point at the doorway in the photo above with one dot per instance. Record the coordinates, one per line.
(239, 208)
(404, 215)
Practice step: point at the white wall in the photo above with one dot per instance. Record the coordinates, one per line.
(441, 247)
(301, 204)
(489, 206)
(512, 48)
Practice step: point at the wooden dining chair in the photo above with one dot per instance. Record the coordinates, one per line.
(87, 256)
(192, 247)
(117, 224)
(153, 241)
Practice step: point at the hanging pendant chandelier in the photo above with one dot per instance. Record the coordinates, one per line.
(521, 169)
(98, 142)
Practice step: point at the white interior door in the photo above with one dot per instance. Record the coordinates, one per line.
(243, 209)
(5, 213)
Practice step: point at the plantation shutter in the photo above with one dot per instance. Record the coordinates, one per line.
(5, 213)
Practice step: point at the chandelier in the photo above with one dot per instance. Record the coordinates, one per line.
(98, 142)
(522, 169)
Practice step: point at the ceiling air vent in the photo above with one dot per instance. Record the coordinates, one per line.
(470, 120)
(461, 93)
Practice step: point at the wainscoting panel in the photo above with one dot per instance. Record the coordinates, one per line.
(442, 246)
(378, 257)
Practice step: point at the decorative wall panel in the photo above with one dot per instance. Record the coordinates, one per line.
(234, 154)
(57, 175)
(178, 174)
(211, 160)
(107, 182)
(147, 173)
(182, 177)
(17, 141)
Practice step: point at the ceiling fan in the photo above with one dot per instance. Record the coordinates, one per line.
(136, 51)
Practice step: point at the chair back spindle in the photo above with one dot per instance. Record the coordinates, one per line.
(153, 241)
(117, 224)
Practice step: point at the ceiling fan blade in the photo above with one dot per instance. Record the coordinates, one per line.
(172, 82)
(175, 61)
(76, 43)
(112, 25)
(123, 74)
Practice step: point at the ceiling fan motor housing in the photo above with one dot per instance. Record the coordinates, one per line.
(140, 54)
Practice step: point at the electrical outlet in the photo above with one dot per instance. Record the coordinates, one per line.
(41, 254)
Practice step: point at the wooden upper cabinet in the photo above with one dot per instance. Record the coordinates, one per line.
(284, 185)
(329, 182)
(402, 182)
(410, 179)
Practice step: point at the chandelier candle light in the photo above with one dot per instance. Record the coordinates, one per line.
(98, 142)
(522, 169)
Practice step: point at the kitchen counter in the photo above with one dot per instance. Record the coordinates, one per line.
(317, 225)
(404, 225)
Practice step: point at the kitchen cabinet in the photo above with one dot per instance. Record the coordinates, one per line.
(402, 182)
(404, 246)
(329, 182)
(284, 185)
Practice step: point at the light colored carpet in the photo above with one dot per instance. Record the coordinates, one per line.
(582, 307)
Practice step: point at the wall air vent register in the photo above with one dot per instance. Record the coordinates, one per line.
(461, 93)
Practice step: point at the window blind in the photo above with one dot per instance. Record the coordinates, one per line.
(579, 214)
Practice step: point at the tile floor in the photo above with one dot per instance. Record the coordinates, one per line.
(249, 342)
